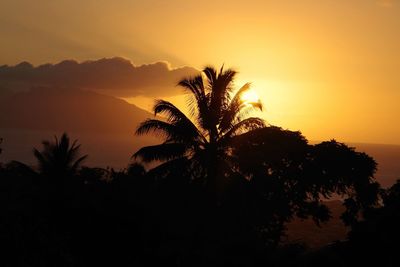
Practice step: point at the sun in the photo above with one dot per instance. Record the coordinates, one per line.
(250, 96)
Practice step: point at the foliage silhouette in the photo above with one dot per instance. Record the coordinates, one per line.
(65, 214)
(375, 239)
(93, 216)
(286, 177)
(263, 176)
(60, 157)
(372, 241)
(203, 144)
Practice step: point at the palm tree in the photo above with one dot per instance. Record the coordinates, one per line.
(59, 157)
(201, 144)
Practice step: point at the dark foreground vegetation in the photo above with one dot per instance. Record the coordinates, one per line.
(66, 215)
(222, 195)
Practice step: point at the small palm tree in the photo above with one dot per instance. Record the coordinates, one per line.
(59, 157)
(202, 145)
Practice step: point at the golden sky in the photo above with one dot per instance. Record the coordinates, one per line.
(328, 68)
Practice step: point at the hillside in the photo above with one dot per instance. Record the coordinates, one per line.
(103, 124)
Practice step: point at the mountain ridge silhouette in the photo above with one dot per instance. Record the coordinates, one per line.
(104, 124)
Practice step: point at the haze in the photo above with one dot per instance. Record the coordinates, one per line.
(327, 68)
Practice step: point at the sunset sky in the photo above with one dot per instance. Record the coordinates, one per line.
(328, 68)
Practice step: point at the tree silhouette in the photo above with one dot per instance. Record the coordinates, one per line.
(375, 239)
(286, 178)
(60, 157)
(200, 145)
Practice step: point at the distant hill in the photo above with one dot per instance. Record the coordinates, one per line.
(68, 109)
(103, 124)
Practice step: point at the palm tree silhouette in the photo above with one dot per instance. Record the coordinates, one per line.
(202, 145)
(59, 157)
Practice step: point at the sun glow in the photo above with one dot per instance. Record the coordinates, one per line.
(250, 96)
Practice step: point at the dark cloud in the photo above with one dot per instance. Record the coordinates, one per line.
(115, 76)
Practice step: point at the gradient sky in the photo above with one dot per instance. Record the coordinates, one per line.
(328, 68)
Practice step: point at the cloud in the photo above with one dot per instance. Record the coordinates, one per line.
(115, 76)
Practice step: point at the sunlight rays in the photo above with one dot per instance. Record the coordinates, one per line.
(250, 96)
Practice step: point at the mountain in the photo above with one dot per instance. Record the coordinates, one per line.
(68, 109)
(103, 124)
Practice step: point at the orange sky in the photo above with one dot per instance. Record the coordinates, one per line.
(328, 68)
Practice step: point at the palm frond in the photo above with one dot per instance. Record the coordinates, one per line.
(167, 130)
(244, 111)
(220, 93)
(172, 113)
(180, 165)
(244, 126)
(225, 82)
(177, 118)
(78, 163)
(198, 103)
(194, 85)
(211, 74)
(235, 105)
(158, 127)
(162, 152)
(42, 159)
